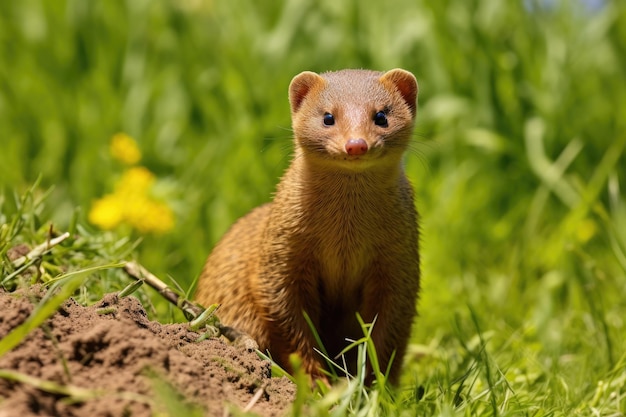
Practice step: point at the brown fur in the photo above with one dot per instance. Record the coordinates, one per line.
(341, 234)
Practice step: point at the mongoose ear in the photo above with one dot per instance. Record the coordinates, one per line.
(301, 86)
(405, 83)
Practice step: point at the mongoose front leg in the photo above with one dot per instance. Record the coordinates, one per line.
(392, 306)
(289, 331)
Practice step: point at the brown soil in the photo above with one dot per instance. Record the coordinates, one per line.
(112, 347)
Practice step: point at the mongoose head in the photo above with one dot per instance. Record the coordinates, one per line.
(353, 119)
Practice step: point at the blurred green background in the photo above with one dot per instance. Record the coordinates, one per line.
(518, 159)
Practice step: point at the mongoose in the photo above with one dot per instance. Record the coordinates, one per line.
(340, 236)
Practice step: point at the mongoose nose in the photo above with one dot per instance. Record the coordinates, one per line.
(356, 147)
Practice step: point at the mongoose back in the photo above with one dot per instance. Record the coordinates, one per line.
(340, 236)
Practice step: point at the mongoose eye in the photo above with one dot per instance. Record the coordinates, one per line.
(380, 119)
(329, 119)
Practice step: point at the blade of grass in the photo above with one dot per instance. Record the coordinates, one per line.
(321, 348)
(68, 284)
(74, 393)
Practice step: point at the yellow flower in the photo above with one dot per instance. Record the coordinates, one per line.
(147, 215)
(124, 149)
(135, 181)
(131, 203)
(107, 212)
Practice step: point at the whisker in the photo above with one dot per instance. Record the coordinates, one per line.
(423, 160)
(284, 144)
(422, 134)
(285, 128)
(420, 147)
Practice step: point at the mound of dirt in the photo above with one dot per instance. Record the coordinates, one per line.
(113, 350)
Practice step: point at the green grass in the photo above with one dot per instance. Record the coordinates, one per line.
(518, 164)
